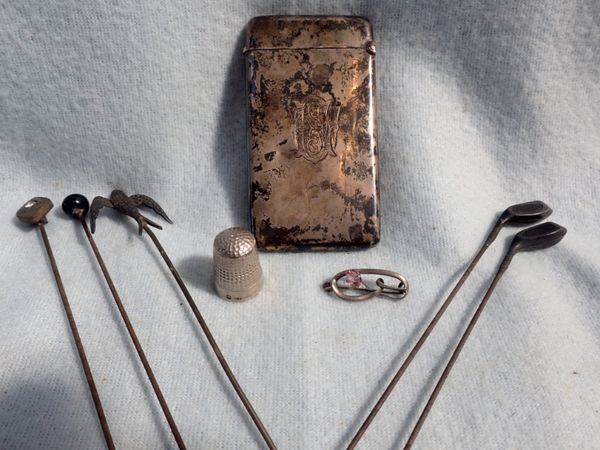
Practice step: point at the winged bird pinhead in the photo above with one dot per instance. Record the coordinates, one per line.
(127, 205)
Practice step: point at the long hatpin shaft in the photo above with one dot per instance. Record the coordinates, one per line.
(78, 343)
(408, 360)
(455, 354)
(519, 214)
(538, 237)
(134, 338)
(213, 343)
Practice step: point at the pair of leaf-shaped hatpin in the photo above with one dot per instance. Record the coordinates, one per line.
(534, 238)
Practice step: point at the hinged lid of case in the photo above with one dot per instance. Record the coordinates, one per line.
(304, 32)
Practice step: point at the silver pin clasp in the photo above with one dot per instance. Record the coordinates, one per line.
(353, 282)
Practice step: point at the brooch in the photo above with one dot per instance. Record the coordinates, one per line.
(352, 281)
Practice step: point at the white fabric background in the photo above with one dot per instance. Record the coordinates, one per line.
(480, 105)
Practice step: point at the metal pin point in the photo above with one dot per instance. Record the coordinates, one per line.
(77, 206)
(535, 238)
(34, 213)
(518, 215)
(129, 205)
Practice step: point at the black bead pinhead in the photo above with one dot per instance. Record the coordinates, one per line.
(524, 213)
(76, 205)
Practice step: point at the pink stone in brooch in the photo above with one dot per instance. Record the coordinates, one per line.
(354, 279)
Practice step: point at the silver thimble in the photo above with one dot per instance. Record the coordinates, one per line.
(237, 271)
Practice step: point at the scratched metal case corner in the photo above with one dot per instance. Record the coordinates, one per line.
(312, 137)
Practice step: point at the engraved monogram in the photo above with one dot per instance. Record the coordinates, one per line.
(315, 127)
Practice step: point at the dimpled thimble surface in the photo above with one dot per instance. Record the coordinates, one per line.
(237, 271)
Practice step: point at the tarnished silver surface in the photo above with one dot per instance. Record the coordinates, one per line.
(312, 136)
(237, 271)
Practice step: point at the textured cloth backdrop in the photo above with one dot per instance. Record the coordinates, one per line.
(481, 105)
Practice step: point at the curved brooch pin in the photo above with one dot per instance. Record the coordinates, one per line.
(352, 281)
